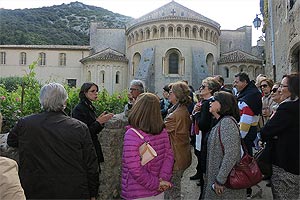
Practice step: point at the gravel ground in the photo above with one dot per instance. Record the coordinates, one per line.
(190, 190)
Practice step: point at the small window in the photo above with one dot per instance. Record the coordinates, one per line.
(42, 59)
(227, 72)
(22, 58)
(2, 58)
(62, 59)
(117, 77)
(71, 82)
(102, 76)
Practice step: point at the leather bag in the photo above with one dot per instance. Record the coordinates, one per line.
(244, 174)
(147, 153)
(263, 159)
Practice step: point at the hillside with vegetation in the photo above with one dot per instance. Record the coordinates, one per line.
(66, 24)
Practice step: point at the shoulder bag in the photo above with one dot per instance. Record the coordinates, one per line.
(147, 153)
(244, 174)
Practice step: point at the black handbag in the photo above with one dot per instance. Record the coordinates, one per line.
(264, 160)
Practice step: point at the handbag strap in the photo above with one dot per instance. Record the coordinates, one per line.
(142, 137)
(242, 141)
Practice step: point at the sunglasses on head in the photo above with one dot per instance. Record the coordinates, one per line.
(274, 90)
(213, 99)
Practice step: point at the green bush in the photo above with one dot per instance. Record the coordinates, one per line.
(11, 83)
(23, 100)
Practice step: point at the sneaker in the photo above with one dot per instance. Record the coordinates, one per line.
(195, 177)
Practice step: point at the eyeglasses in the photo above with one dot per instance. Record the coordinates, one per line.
(263, 86)
(274, 90)
(283, 86)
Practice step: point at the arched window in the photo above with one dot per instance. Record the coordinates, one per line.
(173, 63)
(187, 32)
(42, 59)
(178, 31)
(170, 31)
(201, 33)
(162, 32)
(154, 32)
(22, 58)
(194, 32)
(147, 34)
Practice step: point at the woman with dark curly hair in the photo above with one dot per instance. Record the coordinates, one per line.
(178, 124)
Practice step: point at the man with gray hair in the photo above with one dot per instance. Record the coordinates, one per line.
(57, 156)
(136, 88)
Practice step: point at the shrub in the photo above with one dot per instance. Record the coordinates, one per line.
(23, 100)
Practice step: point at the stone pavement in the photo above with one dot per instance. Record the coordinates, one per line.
(191, 191)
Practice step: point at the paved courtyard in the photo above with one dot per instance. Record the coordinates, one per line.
(191, 191)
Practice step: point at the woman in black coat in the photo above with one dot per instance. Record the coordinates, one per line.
(85, 112)
(284, 126)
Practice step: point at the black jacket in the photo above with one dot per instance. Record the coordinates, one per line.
(85, 112)
(285, 125)
(57, 158)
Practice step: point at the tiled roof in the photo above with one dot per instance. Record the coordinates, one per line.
(237, 57)
(106, 54)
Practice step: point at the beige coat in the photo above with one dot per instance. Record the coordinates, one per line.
(10, 186)
(178, 125)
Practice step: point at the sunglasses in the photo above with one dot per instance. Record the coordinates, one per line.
(263, 86)
(274, 90)
(213, 99)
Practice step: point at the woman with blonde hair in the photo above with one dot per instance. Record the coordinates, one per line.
(178, 124)
(147, 181)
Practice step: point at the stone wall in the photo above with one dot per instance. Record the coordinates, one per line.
(111, 139)
(286, 32)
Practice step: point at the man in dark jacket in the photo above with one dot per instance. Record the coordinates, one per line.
(250, 106)
(57, 156)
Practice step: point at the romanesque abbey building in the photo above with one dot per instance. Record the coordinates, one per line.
(168, 44)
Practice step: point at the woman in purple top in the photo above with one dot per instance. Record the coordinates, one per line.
(147, 181)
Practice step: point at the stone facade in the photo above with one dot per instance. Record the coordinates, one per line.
(60, 63)
(285, 16)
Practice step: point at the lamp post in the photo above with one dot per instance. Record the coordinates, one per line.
(257, 22)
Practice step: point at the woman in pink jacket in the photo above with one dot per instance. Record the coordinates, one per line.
(147, 181)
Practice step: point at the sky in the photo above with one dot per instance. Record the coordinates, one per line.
(230, 14)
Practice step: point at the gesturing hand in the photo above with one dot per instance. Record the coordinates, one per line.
(104, 117)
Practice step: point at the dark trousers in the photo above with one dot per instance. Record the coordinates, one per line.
(249, 139)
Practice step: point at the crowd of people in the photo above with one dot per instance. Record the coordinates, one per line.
(60, 155)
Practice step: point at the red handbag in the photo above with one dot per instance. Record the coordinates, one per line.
(244, 174)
